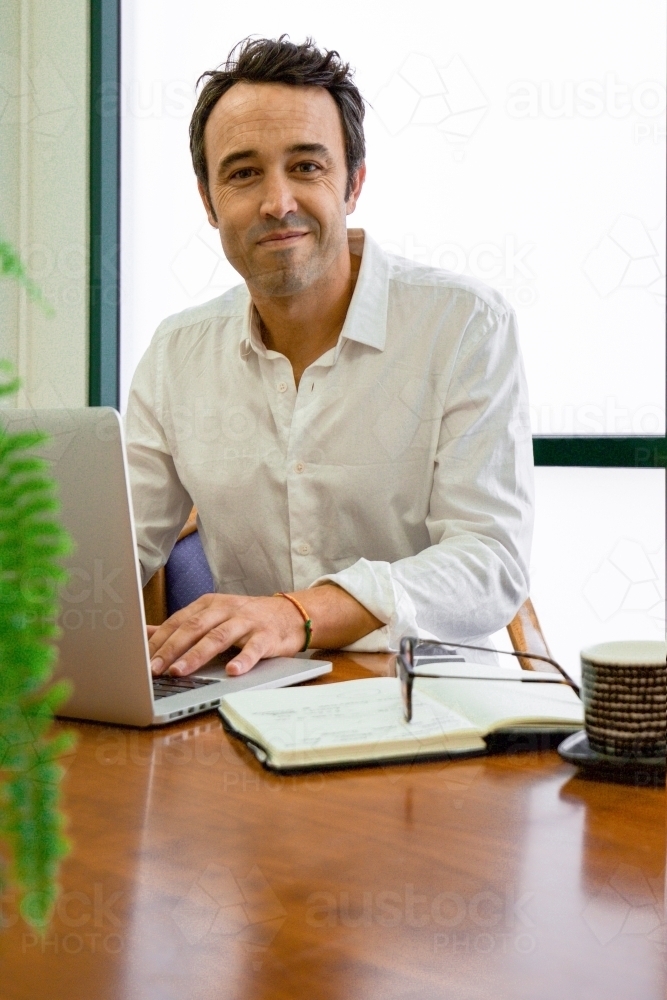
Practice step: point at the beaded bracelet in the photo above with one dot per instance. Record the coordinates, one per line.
(304, 614)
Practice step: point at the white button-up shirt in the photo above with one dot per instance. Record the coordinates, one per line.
(400, 469)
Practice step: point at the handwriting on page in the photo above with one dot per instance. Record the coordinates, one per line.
(343, 717)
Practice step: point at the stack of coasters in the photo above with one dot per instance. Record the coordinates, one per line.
(624, 688)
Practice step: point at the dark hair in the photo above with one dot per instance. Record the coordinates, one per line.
(277, 60)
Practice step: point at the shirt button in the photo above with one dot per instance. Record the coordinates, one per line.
(299, 467)
(304, 549)
(282, 387)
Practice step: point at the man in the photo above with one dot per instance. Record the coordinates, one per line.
(351, 427)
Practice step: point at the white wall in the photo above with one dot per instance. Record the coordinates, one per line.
(520, 141)
(598, 559)
(44, 195)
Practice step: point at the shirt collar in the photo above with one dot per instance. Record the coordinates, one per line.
(366, 319)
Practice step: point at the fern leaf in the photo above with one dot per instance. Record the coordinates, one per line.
(31, 544)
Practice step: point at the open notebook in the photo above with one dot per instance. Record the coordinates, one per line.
(353, 722)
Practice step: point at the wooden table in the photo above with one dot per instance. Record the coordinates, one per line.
(196, 874)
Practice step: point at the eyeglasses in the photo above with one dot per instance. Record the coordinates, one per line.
(405, 667)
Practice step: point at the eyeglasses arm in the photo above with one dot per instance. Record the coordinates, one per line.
(506, 652)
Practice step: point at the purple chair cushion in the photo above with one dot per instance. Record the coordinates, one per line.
(187, 573)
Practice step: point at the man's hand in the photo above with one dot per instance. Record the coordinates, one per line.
(262, 626)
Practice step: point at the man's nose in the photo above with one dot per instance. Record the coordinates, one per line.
(277, 197)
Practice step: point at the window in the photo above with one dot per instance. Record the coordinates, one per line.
(521, 144)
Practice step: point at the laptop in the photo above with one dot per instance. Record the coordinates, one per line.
(103, 648)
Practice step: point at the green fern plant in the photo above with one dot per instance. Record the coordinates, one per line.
(11, 266)
(32, 544)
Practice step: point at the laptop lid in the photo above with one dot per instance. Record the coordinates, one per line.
(103, 648)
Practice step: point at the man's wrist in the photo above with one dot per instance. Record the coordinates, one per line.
(307, 623)
(338, 619)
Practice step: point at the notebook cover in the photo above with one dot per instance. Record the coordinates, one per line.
(260, 754)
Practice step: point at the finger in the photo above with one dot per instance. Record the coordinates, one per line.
(151, 630)
(217, 640)
(162, 632)
(187, 635)
(185, 638)
(255, 649)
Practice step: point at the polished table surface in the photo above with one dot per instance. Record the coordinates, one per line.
(197, 874)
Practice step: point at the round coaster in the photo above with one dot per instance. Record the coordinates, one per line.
(624, 690)
(576, 750)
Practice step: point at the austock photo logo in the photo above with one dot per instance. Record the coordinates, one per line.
(629, 255)
(603, 417)
(457, 781)
(94, 583)
(455, 778)
(506, 263)
(39, 99)
(643, 102)
(444, 97)
(481, 923)
(86, 920)
(223, 907)
(200, 264)
(629, 579)
(629, 903)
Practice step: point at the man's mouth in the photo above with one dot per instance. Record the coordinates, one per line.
(283, 239)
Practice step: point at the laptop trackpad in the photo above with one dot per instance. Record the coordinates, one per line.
(216, 666)
(278, 671)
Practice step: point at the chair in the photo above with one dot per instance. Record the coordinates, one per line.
(526, 633)
(187, 576)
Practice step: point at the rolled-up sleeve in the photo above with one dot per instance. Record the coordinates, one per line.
(473, 577)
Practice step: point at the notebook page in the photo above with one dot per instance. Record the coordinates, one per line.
(361, 712)
(495, 704)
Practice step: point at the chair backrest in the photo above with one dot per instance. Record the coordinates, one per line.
(187, 576)
(525, 633)
(187, 573)
(156, 599)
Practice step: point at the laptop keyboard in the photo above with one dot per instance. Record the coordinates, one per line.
(166, 685)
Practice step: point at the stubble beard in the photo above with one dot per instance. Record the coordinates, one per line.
(293, 272)
(287, 277)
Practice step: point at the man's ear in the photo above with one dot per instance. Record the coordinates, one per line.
(203, 194)
(357, 185)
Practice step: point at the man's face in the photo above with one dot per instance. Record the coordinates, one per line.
(277, 179)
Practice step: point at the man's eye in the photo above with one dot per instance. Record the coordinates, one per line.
(307, 168)
(241, 174)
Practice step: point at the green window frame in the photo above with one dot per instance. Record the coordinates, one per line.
(104, 303)
(601, 452)
(104, 205)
